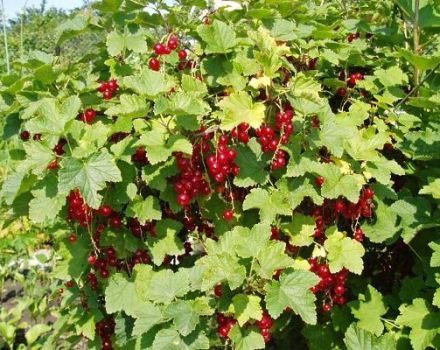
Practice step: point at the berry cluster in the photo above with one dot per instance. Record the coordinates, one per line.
(221, 164)
(108, 88)
(106, 329)
(332, 285)
(25, 136)
(78, 210)
(241, 133)
(190, 183)
(161, 49)
(225, 325)
(265, 324)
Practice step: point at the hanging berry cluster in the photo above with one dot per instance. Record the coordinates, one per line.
(108, 89)
(78, 210)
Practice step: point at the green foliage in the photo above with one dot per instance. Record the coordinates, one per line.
(275, 183)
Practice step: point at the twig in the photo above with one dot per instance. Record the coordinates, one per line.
(415, 88)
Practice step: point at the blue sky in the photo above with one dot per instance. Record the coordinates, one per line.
(12, 7)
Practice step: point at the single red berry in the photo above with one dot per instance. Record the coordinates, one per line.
(359, 235)
(154, 64)
(182, 55)
(327, 307)
(218, 290)
(342, 92)
(37, 137)
(106, 210)
(339, 289)
(319, 181)
(107, 95)
(73, 238)
(88, 116)
(368, 193)
(115, 222)
(92, 260)
(206, 21)
(228, 215)
(183, 199)
(24, 135)
(53, 165)
(223, 331)
(158, 49)
(69, 284)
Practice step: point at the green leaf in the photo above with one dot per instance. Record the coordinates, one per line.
(301, 230)
(166, 241)
(120, 295)
(252, 163)
(382, 169)
(239, 108)
(186, 314)
(131, 106)
(337, 184)
(170, 339)
(423, 322)
(156, 175)
(165, 286)
(38, 157)
(269, 204)
(433, 188)
(385, 226)
(249, 339)
(293, 290)
(73, 259)
(218, 268)
(146, 317)
(89, 176)
(144, 210)
(118, 43)
(415, 214)
(47, 203)
(391, 77)
(272, 258)
(359, 339)
(35, 332)
(148, 83)
(343, 252)
(218, 37)
(368, 310)
(435, 258)
(246, 307)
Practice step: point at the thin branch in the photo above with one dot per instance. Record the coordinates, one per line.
(5, 37)
(415, 88)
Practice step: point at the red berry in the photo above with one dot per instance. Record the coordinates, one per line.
(368, 193)
(339, 289)
(115, 222)
(326, 307)
(73, 238)
(218, 290)
(342, 92)
(223, 331)
(53, 165)
(112, 85)
(24, 135)
(92, 260)
(88, 116)
(359, 235)
(173, 43)
(154, 64)
(266, 321)
(107, 95)
(183, 199)
(182, 55)
(228, 215)
(37, 137)
(319, 181)
(106, 210)
(158, 49)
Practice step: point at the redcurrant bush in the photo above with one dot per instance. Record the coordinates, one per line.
(249, 176)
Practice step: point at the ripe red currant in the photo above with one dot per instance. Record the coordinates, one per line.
(154, 64)
(228, 215)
